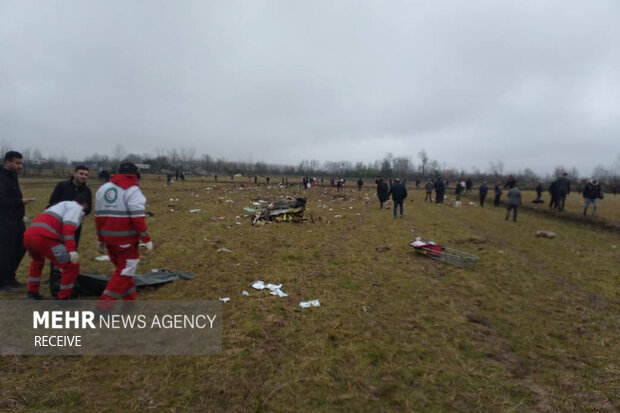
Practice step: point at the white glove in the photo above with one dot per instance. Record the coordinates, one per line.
(101, 247)
(149, 246)
(74, 256)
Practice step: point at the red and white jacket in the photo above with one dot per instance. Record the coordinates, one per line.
(58, 223)
(120, 210)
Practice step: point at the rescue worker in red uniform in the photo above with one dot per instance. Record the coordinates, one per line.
(52, 235)
(119, 219)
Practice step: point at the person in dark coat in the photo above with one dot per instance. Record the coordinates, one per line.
(382, 192)
(440, 190)
(591, 193)
(69, 190)
(399, 193)
(539, 190)
(511, 182)
(498, 192)
(469, 184)
(514, 200)
(360, 183)
(483, 190)
(553, 192)
(563, 191)
(457, 192)
(12, 211)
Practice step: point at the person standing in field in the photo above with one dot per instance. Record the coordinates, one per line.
(382, 192)
(428, 187)
(69, 190)
(12, 211)
(469, 184)
(119, 220)
(563, 191)
(591, 193)
(498, 192)
(539, 191)
(483, 190)
(440, 190)
(360, 183)
(399, 194)
(514, 200)
(457, 192)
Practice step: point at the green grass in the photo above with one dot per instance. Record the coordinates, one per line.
(532, 327)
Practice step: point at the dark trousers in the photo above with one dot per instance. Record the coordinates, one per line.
(55, 273)
(398, 204)
(515, 210)
(497, 197)
(482, 198)
(561, 201)
(12, 250)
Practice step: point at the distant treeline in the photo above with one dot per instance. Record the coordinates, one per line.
(389, 166)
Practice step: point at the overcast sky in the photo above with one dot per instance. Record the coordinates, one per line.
(530, 83)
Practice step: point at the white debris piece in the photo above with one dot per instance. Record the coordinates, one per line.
(258, 285)
(272, 287)
(245, 293)
(224, 299)
(102, 258)
(278, 292)
(308, 304)
(195, 211)
(223, 250)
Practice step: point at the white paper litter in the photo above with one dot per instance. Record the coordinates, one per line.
(279, 293)
(245, 293)
(223, 250)
(273, 286)
(102, 258)
(258, 285)
(311, 303)
(224, 299)
(195, 211)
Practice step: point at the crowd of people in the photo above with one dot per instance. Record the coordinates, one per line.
(54, 234)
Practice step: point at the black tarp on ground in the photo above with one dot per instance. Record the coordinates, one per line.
(94, 284)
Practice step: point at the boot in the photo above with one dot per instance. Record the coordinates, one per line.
(33, 296)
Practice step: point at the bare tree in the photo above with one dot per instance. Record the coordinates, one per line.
(187, 156)
(423, 161)
(118, 154)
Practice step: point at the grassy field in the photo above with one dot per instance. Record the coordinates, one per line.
(534, 326)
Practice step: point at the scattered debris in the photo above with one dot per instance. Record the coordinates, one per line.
(367, 308)
(546, 234)
(245, 293)
(382, 248)
(223, 250)
(338, 216)
(289, 209)
(195, 211)
(102, 258)
(451, 256)
(308, 304)
(224, 299)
